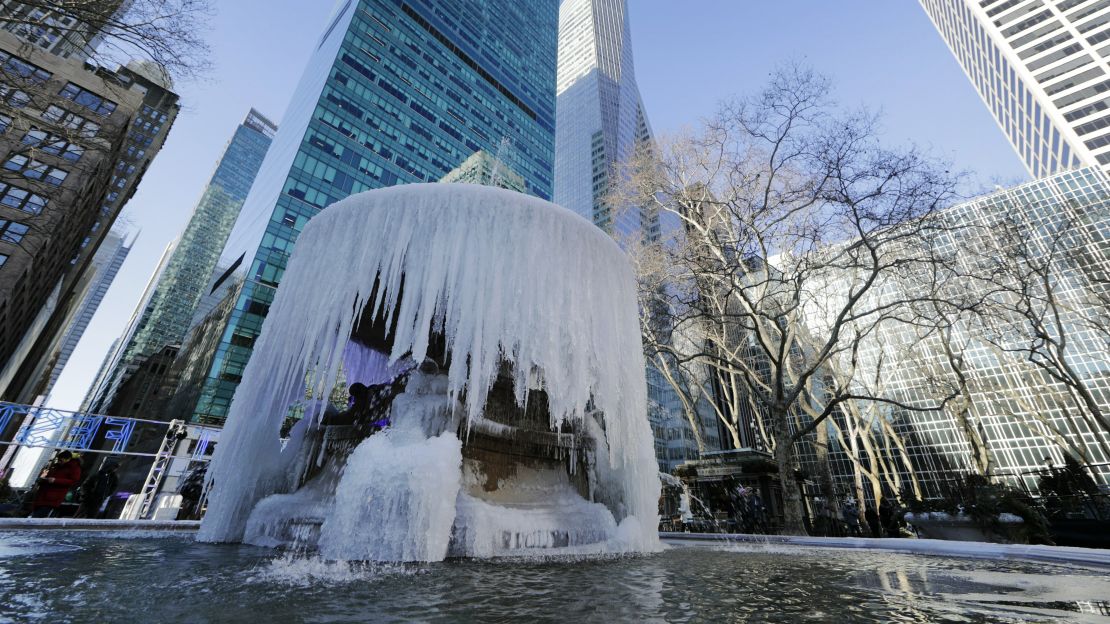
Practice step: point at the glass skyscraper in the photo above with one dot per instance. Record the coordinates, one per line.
(107, 262)
(188, 271)
(1021, 413)
(600, 114)
(396, 91)
(1041, 69)
(600, 121)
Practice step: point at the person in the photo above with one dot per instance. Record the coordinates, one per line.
(57, 478)
(357, 405)
(850, 514)
(192, 491)
(757, 511)
(887, 518)
(822, 513)
(872, 518)
(97, 488)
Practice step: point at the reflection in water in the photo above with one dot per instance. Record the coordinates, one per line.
(91, 578)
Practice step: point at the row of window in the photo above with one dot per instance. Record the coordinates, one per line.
(15, 66)
(71, 121)
(138, 138)
(12, 231)
(16, 98)
(87, 99)
(21, 199)
(53, 144)
(36, 170)
(153, 113)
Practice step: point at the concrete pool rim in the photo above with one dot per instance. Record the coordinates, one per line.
(1092, 557)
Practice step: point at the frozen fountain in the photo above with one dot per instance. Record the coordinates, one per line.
(497, 335)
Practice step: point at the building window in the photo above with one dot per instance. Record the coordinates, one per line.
(15, 66)
(15, 98)
(21, 199)
(11, 231)
(53, 144)
(88, 99)
(71, 121)
(36, 170)
(5, 123)
(3, 259)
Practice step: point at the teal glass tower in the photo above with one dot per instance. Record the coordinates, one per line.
(165, 316)
(396, 91)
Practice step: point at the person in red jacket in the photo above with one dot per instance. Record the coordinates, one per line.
(59, 477)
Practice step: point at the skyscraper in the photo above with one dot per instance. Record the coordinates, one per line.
(58, 31)
(103, 383)
(396, 91)
(167, 314)
(1041, 68)
(1022, 414)
(600, 121)
(76, 142)
(599, 117)
(107, 262)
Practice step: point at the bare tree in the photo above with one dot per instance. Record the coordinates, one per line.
(1047, 284)
(790, 210)
(169, 33)
(940, 354)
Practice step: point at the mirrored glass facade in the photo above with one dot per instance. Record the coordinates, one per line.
(601, 120)
(166, 315)
(600, 113)
(1023, 414)
(397, 91)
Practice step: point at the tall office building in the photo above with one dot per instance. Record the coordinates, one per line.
(57, 30)
(1021, 413)
(106, 264)
(485, 169)
(600, 121)
(599, 117)
(1041, 68)
(169, 310)
(75, 143)
(396, 91)
(95, 397)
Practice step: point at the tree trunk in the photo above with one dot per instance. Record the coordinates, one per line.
(824, 470)
(793, 513)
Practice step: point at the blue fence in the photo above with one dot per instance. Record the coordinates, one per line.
(49, 428)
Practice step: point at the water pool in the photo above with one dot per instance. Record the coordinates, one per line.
(101, 577)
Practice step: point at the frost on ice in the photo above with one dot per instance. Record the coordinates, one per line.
(502, 331)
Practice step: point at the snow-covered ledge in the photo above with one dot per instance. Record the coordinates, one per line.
(87, 524)
(976, 550)
(961, 527)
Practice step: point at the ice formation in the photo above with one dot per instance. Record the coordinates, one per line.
(515, 288)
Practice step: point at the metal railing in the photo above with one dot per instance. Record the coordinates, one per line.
(172, 446)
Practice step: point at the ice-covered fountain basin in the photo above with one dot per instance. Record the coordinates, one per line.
(59, 577)
(495, 285)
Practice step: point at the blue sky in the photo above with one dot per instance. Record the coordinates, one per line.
(882, 54)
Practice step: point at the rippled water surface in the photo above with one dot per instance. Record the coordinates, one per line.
(85, 577)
